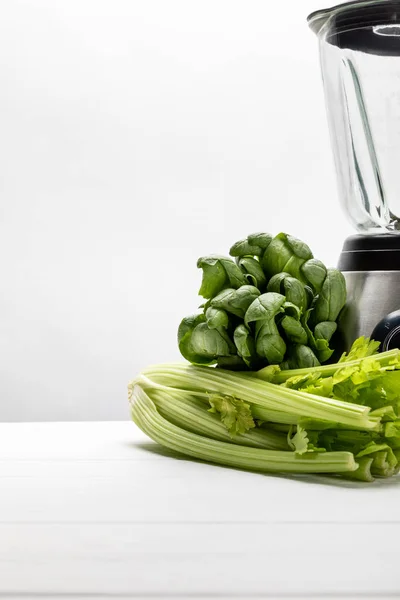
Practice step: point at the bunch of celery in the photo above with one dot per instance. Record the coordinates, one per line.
(340, 419)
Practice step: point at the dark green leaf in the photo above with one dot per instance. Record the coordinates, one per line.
(299, 248)
(218, 272)
(303, 357)
(253, 271)
(270, 345)
(265, 307)
(216, 317)
(244, 248)
(332, 297)
(325, 330)
(262, 240)
(294, 331)
(236, 301)
(286, 255)
(231, 363)
(315, 272)
(201, 345)
(245, 344)
(211, 342)
(185, 332)
(276, 283)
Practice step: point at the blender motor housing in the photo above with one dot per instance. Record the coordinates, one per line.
(371, 267)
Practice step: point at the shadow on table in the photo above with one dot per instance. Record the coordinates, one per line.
(330, 480)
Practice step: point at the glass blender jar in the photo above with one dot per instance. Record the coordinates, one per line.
(359, 46)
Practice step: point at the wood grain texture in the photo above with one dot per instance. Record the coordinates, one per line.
(97, 510)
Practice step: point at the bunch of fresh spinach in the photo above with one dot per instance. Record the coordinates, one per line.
(274, 304)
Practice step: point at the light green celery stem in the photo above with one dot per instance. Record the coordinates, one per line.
(258, 412)
(146, 416)
(380, 466)
(192, 414)
(255, 391)
(326, 370)
(363, 473)
(319, 425)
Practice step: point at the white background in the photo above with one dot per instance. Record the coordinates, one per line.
(135, 137)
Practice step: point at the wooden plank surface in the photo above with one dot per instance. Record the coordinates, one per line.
(97, 510)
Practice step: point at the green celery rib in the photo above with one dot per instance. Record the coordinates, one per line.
(363, 473)
(258, 412)
(256, 391)
(191, 414)
(146, 416)
(327, 370)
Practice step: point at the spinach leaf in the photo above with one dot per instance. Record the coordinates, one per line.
(219, 272)
(262, 240)
(265, 307)
(245, 344)
(315, 272)
(244, 248)
(290, 287)
(286, 253)
(294, 330)
(236, 301)
(253, 272)
(216, 317)
(332, 297)
(201, 345)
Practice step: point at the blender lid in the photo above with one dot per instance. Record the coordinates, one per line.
(371, 26)
(317, 19)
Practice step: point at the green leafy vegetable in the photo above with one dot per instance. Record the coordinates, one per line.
(332, 297)
(236, 301)
(299, 442)
(269, 343)
(294, 331)
(265, 307)
(286, 253)
(361, 348)
(253, 271)
(216, 317)
(177, 438)
(287, 301)
(302, 357)
(200, 344)
(262, 240)
(342, 419)
(235, 414)
(245, 345)
(244, 248)
(290, 287)
(219, 272)
(315, 272)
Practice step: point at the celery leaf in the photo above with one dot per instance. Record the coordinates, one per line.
(299, 442)
(235, 414)
(361, 348)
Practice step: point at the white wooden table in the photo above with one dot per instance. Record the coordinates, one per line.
(97, 510)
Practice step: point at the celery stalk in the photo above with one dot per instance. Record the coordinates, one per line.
(384, 359)
(255, 391)
(191, 414)
(147, 417)
(363, 473)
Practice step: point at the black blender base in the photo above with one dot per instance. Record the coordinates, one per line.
(380, 252)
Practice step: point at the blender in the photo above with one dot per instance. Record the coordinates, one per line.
(359, 45)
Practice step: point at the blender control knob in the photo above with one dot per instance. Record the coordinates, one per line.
(387, 331)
